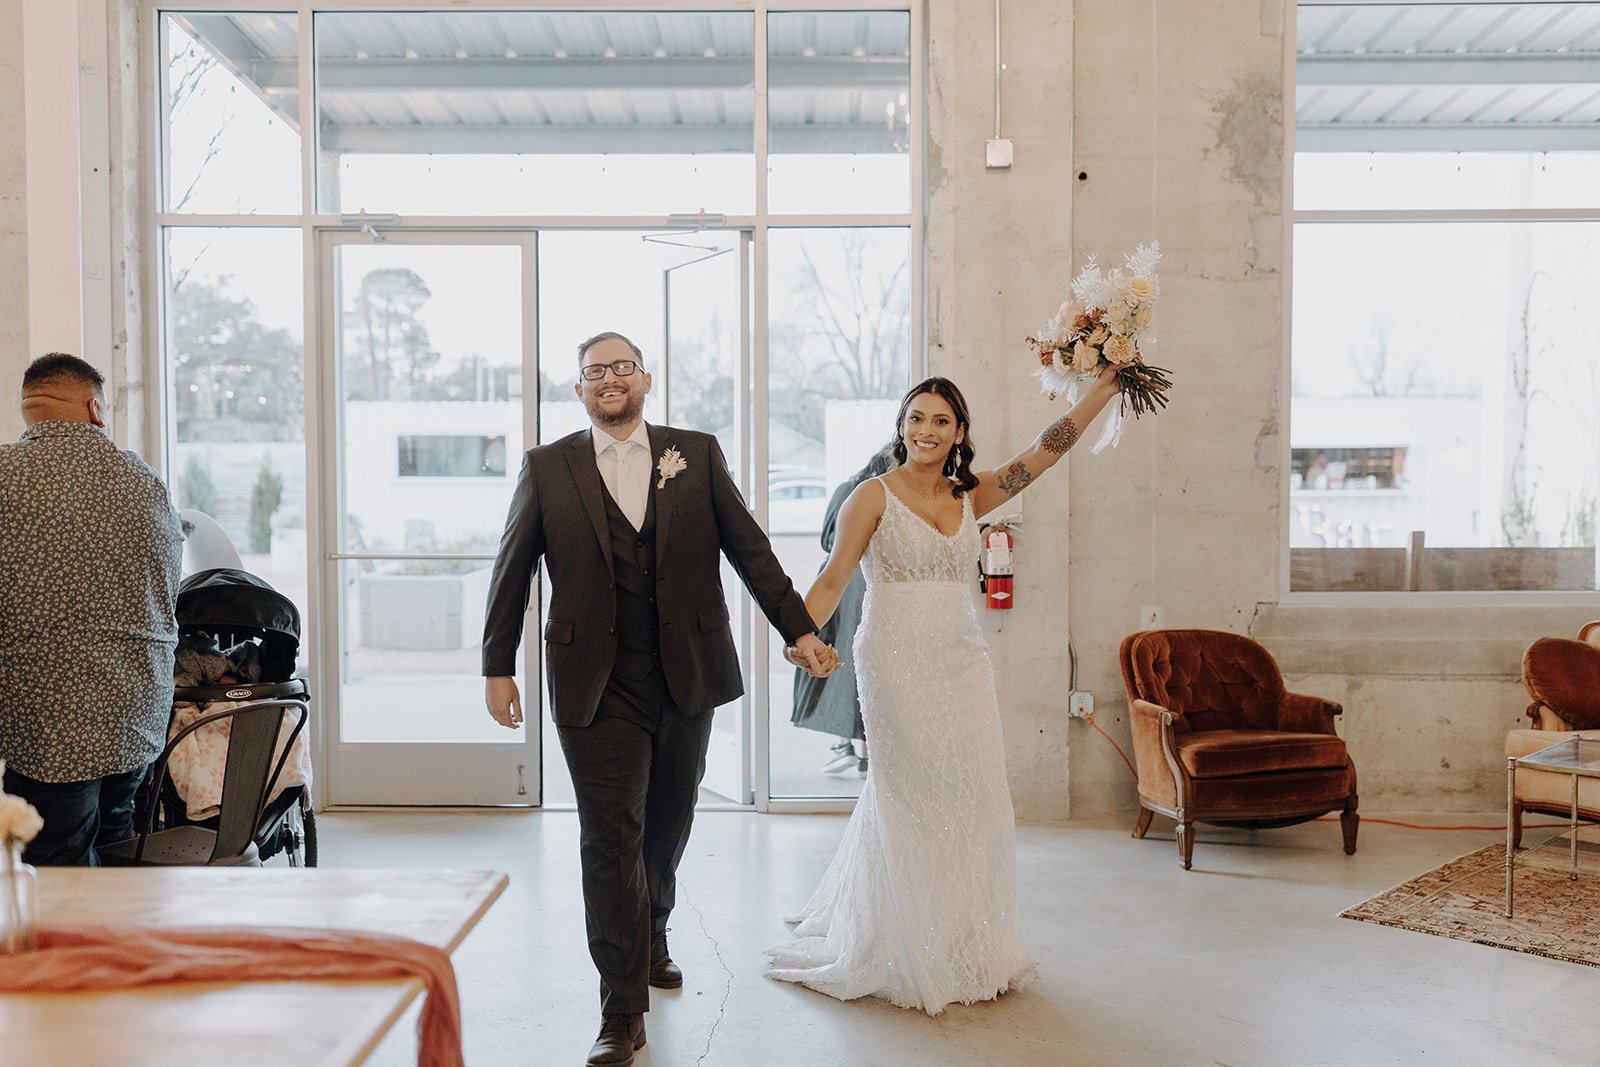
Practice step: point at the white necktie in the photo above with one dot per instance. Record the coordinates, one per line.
(630, 486)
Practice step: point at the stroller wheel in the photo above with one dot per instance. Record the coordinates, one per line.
(309, 838)
(299, 836)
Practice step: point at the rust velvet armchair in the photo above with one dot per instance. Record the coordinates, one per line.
(1218, 740)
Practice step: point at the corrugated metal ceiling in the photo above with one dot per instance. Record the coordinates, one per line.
(1370, 76)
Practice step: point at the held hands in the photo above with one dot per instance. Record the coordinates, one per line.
(503, 700)
(812, 656)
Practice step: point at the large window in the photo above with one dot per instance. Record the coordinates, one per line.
(1446, 341)
(453, 199)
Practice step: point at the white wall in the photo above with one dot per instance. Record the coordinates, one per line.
(1174, 114)
(13, 220)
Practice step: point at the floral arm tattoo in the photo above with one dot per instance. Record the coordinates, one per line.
(1059, 436)
(1015, 479)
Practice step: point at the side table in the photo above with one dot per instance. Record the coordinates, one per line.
(1577, 757)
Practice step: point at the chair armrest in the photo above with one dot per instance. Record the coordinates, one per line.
(1154, 749)
(1307, 714)
(1547, 718)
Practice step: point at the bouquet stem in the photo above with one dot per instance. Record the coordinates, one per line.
(1144, 388)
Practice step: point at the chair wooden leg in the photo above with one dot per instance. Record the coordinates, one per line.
(1349, 822)
(1186, 843)
(1516, 824)
(1145, 814)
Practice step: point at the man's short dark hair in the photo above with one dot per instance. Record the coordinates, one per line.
(59, 366)
(609, 335)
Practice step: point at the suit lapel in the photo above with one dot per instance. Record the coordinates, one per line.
(660, 441)
(586, 473)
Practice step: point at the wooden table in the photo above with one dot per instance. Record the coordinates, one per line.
(249, 1023)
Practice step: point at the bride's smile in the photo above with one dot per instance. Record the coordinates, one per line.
(929, 430)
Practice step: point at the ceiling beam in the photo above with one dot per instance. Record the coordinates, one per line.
(541, 74)
(220, 36)
(1447, 137)
(1545, 68)
(596, 140)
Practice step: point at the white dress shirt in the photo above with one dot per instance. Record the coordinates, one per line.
(625, 468)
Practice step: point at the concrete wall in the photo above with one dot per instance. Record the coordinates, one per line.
(999, 251)
(1134, 122)
(13, 219)
(1179, 136)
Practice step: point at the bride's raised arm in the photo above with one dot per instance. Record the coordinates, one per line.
(997, 486)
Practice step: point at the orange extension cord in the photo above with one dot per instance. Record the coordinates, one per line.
(1334, 818)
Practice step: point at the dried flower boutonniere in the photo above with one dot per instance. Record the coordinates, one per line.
(670, 465)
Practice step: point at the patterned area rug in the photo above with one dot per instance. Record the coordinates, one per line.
(1465, 899)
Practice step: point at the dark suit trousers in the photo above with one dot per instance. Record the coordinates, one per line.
(636, 770)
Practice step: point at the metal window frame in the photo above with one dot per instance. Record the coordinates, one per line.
(752, 388)
(1380, 600)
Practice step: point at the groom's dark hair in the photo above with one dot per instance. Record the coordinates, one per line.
(609, 335)
(958, 464)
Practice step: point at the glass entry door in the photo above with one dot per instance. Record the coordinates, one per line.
(683, 298)
(705, 320)
(428, 340)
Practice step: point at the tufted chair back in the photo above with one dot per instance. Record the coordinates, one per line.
(1563, 676)
(1215, 680)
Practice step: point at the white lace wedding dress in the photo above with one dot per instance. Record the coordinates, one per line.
(919, 905)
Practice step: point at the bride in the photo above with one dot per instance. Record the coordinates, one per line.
(919, 905)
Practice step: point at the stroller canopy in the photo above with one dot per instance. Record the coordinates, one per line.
(225, 600)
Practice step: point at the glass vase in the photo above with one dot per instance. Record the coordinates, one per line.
(19, 902)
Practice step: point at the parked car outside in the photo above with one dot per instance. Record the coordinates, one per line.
(796, 502)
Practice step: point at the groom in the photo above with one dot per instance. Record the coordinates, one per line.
(629, 520)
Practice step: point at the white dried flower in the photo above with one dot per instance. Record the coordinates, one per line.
(19, 821)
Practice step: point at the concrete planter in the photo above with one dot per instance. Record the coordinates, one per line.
(418, 612)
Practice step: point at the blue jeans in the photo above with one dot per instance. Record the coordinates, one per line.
(77, 816)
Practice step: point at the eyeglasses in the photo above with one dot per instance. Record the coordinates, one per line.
(621, 368)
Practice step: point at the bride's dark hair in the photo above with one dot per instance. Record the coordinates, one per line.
(958, 464)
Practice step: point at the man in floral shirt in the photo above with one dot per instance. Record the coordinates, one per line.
(90, 550)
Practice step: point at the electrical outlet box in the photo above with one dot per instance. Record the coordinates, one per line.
(997, 153)
(1080, 704)
(1152, 617)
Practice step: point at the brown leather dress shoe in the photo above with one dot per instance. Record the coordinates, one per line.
(664, 974)
(620, 1037)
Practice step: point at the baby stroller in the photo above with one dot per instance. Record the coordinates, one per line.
(238, 637)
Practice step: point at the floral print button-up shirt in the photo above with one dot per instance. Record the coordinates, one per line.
(90, 550)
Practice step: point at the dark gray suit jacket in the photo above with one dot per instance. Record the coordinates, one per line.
(558, 514)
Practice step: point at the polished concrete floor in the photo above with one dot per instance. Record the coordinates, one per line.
(1240, 961)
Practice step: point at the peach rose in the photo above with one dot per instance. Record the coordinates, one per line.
(1138, 289)
(1084, 357)
(1120, 350)
(1142, 317)
(1098, 335)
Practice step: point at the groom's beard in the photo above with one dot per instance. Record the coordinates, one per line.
(621, 417)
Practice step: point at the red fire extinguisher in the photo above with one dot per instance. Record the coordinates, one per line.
(997, 576)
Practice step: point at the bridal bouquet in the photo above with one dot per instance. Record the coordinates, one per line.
(1102, 326)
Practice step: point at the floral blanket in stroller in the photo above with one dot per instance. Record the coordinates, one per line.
(198, 765)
